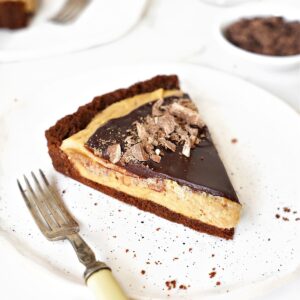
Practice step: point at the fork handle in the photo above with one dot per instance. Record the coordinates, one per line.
(104, 285)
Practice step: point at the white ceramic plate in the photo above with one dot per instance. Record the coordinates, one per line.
(101, 22)
(263, 166)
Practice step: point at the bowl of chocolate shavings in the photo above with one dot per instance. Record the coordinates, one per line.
(268, 35)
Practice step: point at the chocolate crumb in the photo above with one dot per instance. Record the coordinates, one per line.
(285, 219)
(218, 283)
(297, 219)
(126, 250)
(158, 229)
(143, 272)
(234, 141)
(95, 203)
(212, 255)
(277, 216)
(286, 209)
(171, 284)
(182, 287)
(212, 274)
(63, 191)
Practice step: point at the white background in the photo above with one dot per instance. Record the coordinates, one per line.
(170, 30)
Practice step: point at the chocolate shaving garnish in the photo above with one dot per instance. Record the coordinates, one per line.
(167, 123)
(149, 148)
(186, 150)
(129, 140)
(155, 158)
(138, 152)
(156, 107)
(182, 134)
(151, 126)
(141, 131)
(193, 140)
(188, 115)
(175, 137)
(186, 102)
(191, 130)
(167, 126)
(167, 144)
(126, 157)
(114, 152)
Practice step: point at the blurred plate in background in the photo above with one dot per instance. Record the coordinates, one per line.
(100, 23)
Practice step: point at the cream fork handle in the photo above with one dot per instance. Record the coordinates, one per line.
(104, 286)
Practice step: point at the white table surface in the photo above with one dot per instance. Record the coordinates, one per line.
(170, 30)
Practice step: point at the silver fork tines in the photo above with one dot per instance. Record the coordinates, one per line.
(70, 11)
(55, 222)
(47, 209)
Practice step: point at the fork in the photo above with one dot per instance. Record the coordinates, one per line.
(56, 223)
(70, 11)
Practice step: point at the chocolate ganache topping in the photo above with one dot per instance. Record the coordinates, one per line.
(165, 139)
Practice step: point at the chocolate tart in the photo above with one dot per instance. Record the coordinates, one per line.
(147, 146)
(15, 14)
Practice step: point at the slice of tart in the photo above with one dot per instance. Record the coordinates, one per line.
(147, 146)
(15, 14)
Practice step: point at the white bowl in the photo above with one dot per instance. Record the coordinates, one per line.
(257, 10)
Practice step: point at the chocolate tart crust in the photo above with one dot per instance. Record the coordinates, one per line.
(73, 123)
(13, 15)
